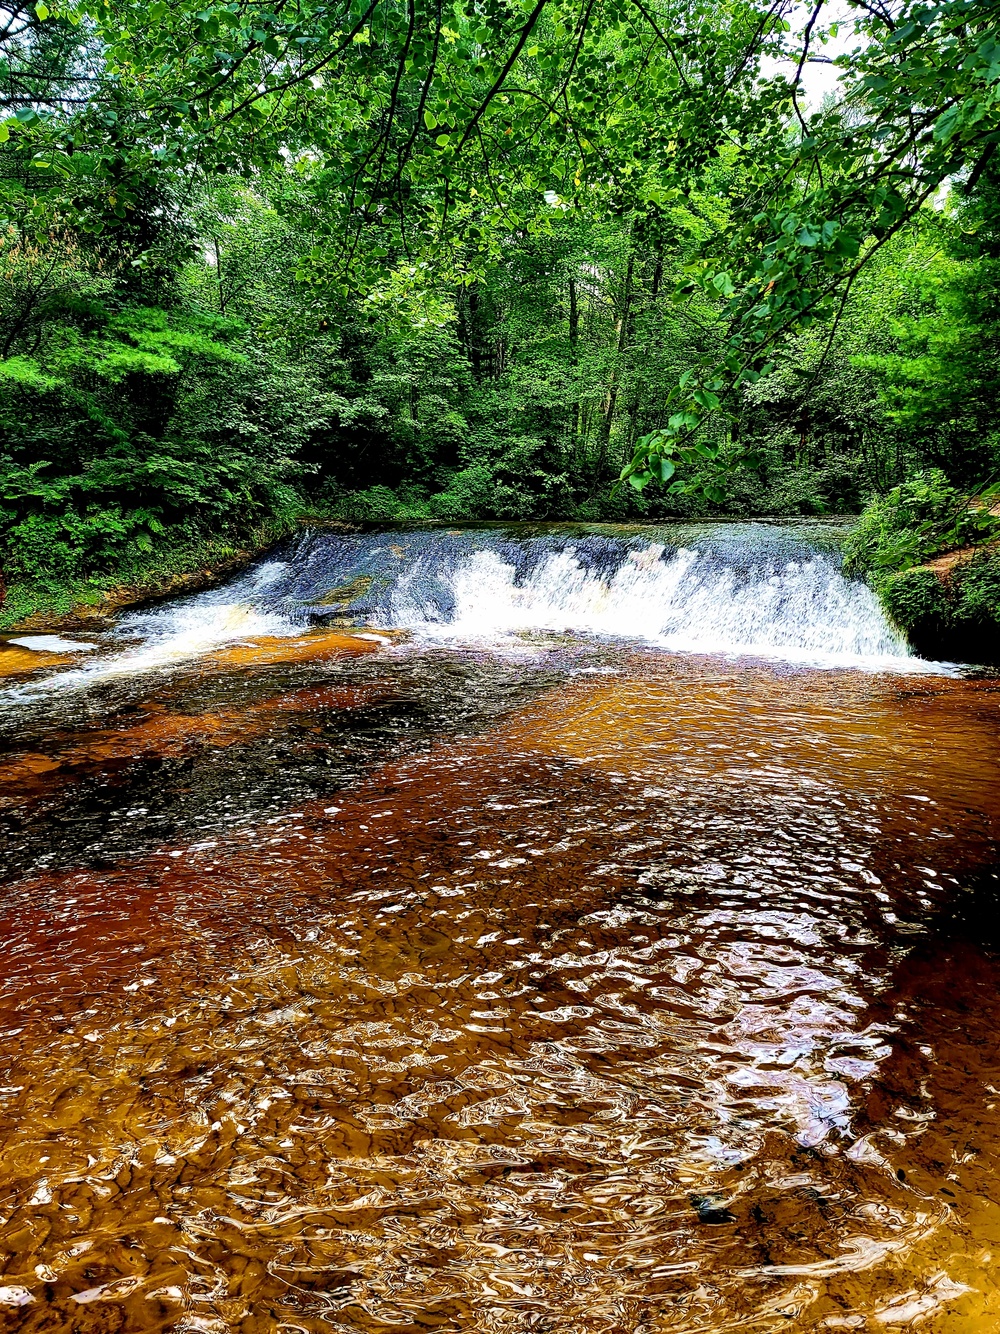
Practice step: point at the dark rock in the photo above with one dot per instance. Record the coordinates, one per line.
(711, 1211)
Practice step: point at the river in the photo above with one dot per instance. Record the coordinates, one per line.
(501, 929)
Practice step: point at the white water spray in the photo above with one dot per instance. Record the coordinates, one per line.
(805, 611)
(168, 638)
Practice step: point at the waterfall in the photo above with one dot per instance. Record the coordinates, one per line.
(760, 590)
(752, 589)
(685, 600)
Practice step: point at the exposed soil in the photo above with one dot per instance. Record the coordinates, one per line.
(944, 566)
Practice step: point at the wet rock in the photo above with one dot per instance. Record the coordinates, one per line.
(711, 1210)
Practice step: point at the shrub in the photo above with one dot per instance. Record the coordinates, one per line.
(468, 495)
(380, 504)
(915, 522)
(916, 600)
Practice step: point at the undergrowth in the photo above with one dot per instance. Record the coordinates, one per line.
(923, 519)
(138, 574)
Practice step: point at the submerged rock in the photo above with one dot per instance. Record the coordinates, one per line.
(711, 1210)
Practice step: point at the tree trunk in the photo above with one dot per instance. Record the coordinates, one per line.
(475, 351)
(624, 330)
(218, 275)
(632, 411)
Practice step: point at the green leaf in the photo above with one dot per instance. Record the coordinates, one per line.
(946, 124)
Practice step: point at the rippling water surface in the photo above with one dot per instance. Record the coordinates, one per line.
(498, 981)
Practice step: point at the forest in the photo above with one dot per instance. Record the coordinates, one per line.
(266, 261)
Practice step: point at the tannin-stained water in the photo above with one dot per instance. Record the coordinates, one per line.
(547, 982)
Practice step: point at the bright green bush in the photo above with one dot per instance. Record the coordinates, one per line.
(469, 494)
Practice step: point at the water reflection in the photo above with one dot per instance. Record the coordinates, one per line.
(653, 998)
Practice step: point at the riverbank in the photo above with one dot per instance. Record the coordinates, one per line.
(932, 554)
(92, 602)
(949, 607)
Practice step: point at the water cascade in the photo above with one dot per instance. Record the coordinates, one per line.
(746, 589)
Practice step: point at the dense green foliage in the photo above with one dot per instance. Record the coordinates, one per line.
(956, 616)
(955, 604)
(918, 520)
(381, 259)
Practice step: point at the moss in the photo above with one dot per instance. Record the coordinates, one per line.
(954, 617)
(170, 568)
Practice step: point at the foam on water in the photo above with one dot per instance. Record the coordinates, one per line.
(52, 644)
(686, 601)
(168, 638)
(187, 630)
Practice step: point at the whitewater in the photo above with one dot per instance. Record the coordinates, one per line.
(742, 590)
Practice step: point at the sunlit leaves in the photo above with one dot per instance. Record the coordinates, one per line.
(433, 136)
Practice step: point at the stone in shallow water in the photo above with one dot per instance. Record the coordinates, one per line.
(711, 1210)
